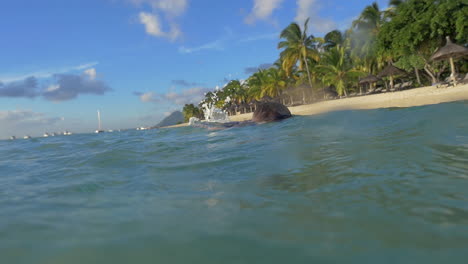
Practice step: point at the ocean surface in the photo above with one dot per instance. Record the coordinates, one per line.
(367, 186)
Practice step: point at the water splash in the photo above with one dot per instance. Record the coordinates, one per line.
(213, 115)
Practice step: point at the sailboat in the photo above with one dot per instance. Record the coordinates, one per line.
(99, 120)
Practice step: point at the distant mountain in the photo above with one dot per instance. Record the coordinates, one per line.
(173, 119)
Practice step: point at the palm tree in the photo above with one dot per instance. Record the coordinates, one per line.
(297, 47)
(337, 70)
(270, 82)
(365, 31)
(275, 82)
(333, 38)
(191, 110)
(392, 6)
(370, 20)
(236, 91)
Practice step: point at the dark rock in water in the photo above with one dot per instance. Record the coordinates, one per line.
(270, 111)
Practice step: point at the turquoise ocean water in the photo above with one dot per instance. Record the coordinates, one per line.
(370, 186)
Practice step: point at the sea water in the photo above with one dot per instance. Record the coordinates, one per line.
(367, 186)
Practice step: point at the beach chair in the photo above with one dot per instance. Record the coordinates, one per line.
(406, 85)
(370, 91)
(444, 83)
(396, 87)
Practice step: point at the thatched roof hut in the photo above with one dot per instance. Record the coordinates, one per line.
(450, 50)
(369, 79)
(391, 70)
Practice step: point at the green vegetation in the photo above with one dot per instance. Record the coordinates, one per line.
(309, 68)
(191, 110)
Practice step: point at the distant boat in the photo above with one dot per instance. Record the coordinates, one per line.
(99, 122)
(12, 138)
(67, 133)
(27, 137)
(46, 135)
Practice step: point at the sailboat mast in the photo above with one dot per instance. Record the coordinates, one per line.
(99, 119)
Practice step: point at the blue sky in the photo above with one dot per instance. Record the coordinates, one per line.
(136, 60)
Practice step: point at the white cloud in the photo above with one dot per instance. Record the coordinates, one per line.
(152, 24)
(171, 7)
(91, 73)
(53, 87)
(309, 9)
(152, 21)
(153, 27)
(148, 97)
(262, 10)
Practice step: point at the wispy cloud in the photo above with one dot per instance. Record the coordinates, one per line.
(27, 122)
(262, 10)
(46, 73)
(259, 37)
(27, 116)
(309, 9)
(227, 40)
(215, 45)
(218, 44)
(184, 83)
(192, 95)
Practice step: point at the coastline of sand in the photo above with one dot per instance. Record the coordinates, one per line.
(408, 98)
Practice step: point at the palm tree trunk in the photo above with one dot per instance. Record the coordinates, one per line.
(308, 74)
(434, 79)
(454, 73)
(416, 71)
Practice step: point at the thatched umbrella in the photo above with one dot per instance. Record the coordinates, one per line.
(450, 51)
(391, 71)
(369, 79)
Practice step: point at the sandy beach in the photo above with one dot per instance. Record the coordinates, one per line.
(414, 97)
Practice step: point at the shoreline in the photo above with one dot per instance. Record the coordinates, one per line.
(428, 95)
